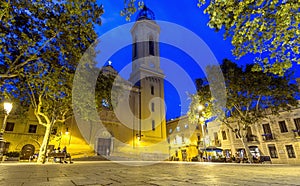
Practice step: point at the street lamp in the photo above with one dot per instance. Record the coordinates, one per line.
(200, 107)
(7, 108)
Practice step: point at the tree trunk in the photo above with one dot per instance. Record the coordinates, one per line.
(43, 149)
(248, 153)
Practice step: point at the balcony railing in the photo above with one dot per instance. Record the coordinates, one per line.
(297, 133)
(268, 137)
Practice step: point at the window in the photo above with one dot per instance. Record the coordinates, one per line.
(134, 49)
(198, 137)
(282, 126)
(290, 151)
(151, 47)
(272, 151)
(186, 126)
(152, 90)
(267, 132)
(9, 126)
(153, 125)
(224, 135)
(297, 123)
(32, 128)
(178, 140)
(267, 128)
(178, 129)
(249, 132)
(152, 107)
(182, 137)
(216, 136)
(170, 131)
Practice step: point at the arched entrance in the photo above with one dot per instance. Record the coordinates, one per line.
(27, 151)
(104, 143)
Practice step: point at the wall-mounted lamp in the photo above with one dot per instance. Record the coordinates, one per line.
(67, 131)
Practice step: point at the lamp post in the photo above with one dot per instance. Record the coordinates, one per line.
(7, 108)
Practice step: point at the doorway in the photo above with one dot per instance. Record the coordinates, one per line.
(104, 146)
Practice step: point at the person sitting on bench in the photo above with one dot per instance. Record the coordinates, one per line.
(67, 155)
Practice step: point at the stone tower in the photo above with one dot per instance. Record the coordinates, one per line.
(149, 77)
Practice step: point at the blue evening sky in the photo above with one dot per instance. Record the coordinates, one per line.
(186, 14)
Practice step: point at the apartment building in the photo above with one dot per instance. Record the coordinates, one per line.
(276, 136)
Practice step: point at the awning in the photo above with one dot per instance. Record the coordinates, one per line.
(212, 148)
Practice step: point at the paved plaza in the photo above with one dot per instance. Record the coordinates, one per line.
(165, 173)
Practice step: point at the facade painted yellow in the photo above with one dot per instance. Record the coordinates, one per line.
(276, 136)
(185, 139)
(25, 135)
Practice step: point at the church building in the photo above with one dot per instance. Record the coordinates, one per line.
(137, 133)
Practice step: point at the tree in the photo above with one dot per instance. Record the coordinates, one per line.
(130, 7)
(269, 29)
(251, 97)
(41, 45)
(49, 92)
(31, 31)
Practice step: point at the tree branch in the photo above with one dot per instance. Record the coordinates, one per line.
(33, 56)
(32, 95)
(239, 111)
(39, 113)
(5, 10)
(257, 103)
(8, 75)
(227, 124)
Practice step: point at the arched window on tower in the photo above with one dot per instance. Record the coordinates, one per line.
(151, 46)
(134, 48)
(153, 125)
(152, 90)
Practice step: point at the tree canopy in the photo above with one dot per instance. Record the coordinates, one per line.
(37, 31)
(41, 43)
(251, 97)
(269, 29)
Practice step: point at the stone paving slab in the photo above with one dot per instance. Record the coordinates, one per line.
(155, 174)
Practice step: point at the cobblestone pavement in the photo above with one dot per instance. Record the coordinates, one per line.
(165, 173)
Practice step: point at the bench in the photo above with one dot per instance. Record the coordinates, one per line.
(28, 158)
(54, 155)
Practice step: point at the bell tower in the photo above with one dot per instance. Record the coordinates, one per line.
(149, 77)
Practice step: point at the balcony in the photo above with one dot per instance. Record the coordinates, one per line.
(268, 137)
(297, 133)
